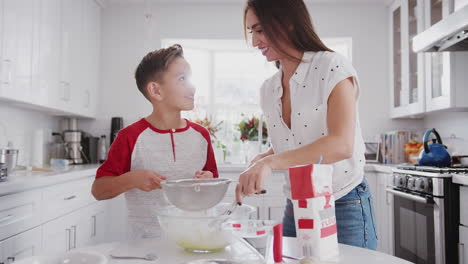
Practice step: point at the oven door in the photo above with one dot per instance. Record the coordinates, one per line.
(417, 232)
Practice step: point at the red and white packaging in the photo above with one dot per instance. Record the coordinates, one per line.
(314, 211)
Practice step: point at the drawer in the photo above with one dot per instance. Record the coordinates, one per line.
(19, 212)
(65, 198)
(464, 205)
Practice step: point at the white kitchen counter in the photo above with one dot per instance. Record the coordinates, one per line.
(368, 167)
(460, 179)
(348, 254)
(26, 180)
(170, 253)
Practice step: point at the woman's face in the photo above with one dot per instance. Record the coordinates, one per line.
(259, 39)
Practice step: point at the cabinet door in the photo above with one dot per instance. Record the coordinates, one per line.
(24, 245)
(396, 51)
(463, 245)
(1, 44)
(18, 17)
(445, 71)
(70, 58)
(408, 91)
(91, 225)
(90, 56)
(47, 78)
(275, 208)
(57, 236)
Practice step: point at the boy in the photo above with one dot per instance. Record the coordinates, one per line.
(161, 146)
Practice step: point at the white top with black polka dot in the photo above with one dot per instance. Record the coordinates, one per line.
(311, 85)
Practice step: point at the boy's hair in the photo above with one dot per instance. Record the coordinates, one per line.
(154, 64)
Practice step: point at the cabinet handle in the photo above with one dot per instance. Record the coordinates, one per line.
(6, 218)
(88, 98)
(269, 213)
(64, 90)
(68, 238)
(68, 91)
(7, 71)
(74, 236)
(258, 212)
(461, 253)
(69, 198)
(94, 225)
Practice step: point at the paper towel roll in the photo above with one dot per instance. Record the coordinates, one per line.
(37, 150)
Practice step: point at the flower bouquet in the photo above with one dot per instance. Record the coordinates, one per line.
(248, 129)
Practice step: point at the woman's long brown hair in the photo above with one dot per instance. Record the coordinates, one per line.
(286, 21)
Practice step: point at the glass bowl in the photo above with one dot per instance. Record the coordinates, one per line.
(201, 231)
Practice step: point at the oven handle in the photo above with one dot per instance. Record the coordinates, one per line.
(409, 196)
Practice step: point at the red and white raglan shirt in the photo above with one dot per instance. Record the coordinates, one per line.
(174, 154)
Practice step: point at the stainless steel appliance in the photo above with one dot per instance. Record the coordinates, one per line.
(73, 146)
(3, 172)
(9, 157)
(71, 137)
(426, 213)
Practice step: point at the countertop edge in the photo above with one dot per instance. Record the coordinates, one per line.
(26, 181)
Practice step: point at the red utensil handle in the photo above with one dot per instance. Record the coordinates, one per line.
(278, 243)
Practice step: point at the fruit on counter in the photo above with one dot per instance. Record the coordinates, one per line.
(412, 150)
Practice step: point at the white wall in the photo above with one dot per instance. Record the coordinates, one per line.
(450, 123)
(19, 125)
(125, 41)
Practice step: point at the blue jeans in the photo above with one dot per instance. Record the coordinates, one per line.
(354, 217)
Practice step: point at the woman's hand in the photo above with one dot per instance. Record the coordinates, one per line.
(261, 156)
(251, 180)
(203, 175)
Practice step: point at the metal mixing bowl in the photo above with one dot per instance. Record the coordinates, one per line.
(195, 194)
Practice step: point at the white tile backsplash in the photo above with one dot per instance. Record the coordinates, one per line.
(19, 126)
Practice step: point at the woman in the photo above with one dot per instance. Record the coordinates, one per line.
(310, 106)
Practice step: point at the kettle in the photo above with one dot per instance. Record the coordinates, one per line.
(435, 154)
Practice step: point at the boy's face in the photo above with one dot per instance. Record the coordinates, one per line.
(176, 90)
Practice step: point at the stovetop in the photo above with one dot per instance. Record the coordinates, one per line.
(425, 179)
(447, 170)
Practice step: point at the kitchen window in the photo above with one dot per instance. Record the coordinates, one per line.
(227, 75)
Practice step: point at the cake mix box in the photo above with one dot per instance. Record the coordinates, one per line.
(314, 211)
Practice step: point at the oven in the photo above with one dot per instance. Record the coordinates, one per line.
(426, 216)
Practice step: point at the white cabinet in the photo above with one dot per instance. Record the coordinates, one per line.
(407, 67)
(78, 229)
(19, 212)
(65, 198)
(91, 53)
(59, 236)
(71, 62)
(270, 206)
(1, 45)
(49, 54)
(383, 209)
(423, 82)
(446, 76)
(17, 47)
(24, 245)
(46, 77)
(464, 205)
(463, 245)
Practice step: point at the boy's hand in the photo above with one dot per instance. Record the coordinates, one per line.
(147, 180)
(203, 175)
